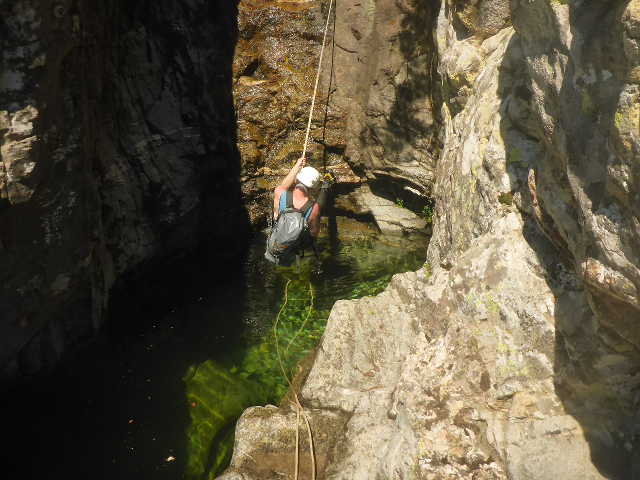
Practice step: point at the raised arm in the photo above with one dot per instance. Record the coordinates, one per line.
(286, 183)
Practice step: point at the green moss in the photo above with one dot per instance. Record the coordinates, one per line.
(427, 212)
(427, 269)
(491, 304)
(513, 155)
(264, 183)
(218, 394)
(253, 375)
(588, 106)
(618, 119)
(370, 288)
(506, 198)
(216, 399)
(222, 453)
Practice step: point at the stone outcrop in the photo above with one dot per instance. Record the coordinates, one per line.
(513, 353)
(391, 218)
(117, 146)
(384, 73)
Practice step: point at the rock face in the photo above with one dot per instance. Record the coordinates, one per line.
(372, 109)
(117, 147)
(274, 75)
(384, 72)
(513, 353)
(390, 218)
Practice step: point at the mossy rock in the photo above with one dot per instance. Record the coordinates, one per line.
(506, 198)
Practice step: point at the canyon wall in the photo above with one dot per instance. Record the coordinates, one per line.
(274, 74)
(513, 353)
(373, 122)
(117, 150)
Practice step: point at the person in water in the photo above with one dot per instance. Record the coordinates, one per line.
(305, 182)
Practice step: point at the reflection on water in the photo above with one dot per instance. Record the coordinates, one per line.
(122, 410)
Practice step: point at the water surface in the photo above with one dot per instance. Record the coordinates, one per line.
(157, 397)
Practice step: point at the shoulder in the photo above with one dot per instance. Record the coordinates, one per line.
(315, 210)
(278, 191)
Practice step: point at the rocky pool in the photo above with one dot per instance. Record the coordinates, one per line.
(158, 395)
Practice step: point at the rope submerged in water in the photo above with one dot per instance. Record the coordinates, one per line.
(298, 406)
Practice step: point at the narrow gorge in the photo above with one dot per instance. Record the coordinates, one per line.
(489, 149)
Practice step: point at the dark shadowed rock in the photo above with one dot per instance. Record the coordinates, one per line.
(117, 147)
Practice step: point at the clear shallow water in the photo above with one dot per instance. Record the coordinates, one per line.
(157, 398)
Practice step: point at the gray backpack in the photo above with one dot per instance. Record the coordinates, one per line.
(289, 234)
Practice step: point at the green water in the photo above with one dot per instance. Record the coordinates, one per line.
(299, 299)
(159, 396)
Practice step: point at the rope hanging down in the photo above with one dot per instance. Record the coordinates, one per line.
(299, 409)
(315, 88)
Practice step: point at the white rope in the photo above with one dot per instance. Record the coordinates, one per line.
(299, 409)
(315, 88)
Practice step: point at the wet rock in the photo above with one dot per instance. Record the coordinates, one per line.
(274, 74)
(373, 112)
(391, 218)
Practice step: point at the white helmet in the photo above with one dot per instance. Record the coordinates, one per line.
(308, 176)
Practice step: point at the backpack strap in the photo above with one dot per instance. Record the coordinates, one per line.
(286, 201)
(282, 202)
(307, 208)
